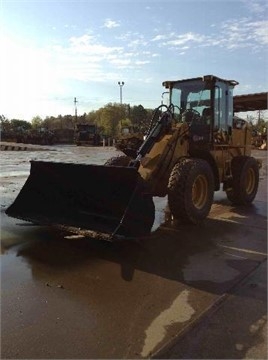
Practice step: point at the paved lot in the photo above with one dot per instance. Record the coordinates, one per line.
(67, 297)
(236, 329)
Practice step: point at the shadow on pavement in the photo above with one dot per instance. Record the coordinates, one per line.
(184, 253)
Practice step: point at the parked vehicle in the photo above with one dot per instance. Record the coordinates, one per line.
(87, 134)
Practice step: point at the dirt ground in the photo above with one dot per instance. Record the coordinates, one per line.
(184, 292)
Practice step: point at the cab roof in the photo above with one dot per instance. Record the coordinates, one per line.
(208, 78)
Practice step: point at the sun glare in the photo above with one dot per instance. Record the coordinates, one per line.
(28, 80)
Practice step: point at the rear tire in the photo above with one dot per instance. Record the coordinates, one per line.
(118, 161)
(191, 190)
(244, 185)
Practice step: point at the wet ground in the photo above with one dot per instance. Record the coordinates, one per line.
(70, 297)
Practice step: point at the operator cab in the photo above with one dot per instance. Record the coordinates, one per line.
(205, 104)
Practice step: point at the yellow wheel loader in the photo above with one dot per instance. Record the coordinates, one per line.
(193, 146)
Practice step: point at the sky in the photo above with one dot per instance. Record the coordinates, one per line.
(55, 50)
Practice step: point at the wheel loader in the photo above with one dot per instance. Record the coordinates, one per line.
(193, 147)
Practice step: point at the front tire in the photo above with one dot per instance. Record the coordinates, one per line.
(191, 190)
(244, 185)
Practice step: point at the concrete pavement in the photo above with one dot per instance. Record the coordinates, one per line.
(75, 298)
(237, 329)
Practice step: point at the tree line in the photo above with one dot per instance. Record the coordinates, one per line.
(109, 119)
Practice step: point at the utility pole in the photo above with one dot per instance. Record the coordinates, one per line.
(75, 110)
(121, 84)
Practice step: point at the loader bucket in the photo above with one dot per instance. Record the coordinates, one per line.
(87, 199)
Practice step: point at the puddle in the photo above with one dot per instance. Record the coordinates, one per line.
(14, 272)
(161, 212)
(201, 267)
(15, 232)
(179, 311)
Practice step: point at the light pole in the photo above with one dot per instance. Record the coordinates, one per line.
(121, 84)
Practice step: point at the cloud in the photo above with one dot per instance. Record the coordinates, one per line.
(110, 24)
(260, 31)
(159, 37)
(186, 38)
(140, 62)
(244, 33)
(231, 34)
(137, 43)
(256, 6)
(86, 58)
(121, 63)
(87, 44)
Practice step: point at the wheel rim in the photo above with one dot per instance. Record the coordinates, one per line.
(200, 191)
(250, 181)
